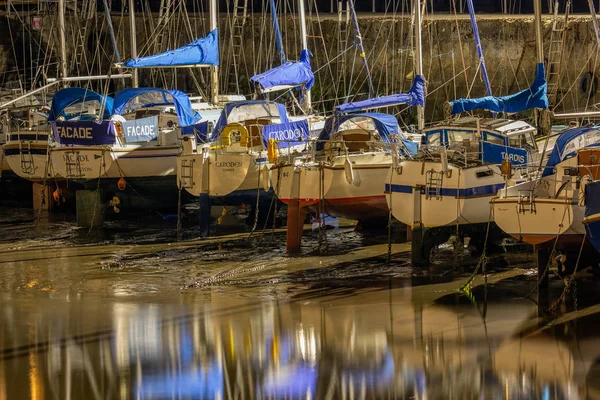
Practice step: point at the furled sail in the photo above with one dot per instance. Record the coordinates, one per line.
(414, 97)
(533, 97)
(203, 51)
(289, 74)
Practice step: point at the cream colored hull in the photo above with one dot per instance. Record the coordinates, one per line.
(463, 197)
(541, 221)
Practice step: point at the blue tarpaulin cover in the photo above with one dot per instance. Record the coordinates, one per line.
(569, 142)
(203, 51)
(534, 97)
(74, 95)
(229, 107)
(200, 130)
(414, 97)
(183, 107)
(290, 73)
(386, 125)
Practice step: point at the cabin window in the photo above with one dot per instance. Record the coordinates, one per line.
(245, 112)
(495, 139)
(363, 123)
(433, 139)
(460, 137)
(524, 141)
(484, 174)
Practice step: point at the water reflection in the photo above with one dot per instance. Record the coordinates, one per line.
(382, 344)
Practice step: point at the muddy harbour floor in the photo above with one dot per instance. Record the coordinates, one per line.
(129, 311)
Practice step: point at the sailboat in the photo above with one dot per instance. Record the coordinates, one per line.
(352, 155)
(138, 142)
(448, 186)
(551, 207)
(232, 165)
(29, 134)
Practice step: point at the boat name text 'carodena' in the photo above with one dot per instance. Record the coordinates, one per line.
(228, 164)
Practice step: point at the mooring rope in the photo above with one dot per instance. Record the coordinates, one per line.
(483, 259)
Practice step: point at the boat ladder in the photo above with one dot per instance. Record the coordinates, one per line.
(240, 13)
(526, 202)
(27, 161)
(556, 50)
(433, 184)
(187, 174)
(73, 164)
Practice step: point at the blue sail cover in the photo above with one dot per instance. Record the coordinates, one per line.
(290, 73)
(229, 107)
(414, 97)
(534, 97)
(569, 142)
(68, 97)
(203, 51)
(183, 107)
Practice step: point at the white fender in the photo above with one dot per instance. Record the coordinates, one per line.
(349, 171)
(265, 178)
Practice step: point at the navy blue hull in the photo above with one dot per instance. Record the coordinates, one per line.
(592, 213)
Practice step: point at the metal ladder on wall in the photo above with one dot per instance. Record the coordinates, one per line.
(556, 50)
(240, 13)
(86, 14)
(73, 166)
(433, 184)
(187, 174)
(162, 31)
(27, 161)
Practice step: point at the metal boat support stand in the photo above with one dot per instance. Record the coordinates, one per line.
(543, 253)
(42, 200)
(204, 211)
(90, 208)
(424, 240)
(295, 225)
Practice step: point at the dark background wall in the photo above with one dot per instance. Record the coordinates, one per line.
(481, 6)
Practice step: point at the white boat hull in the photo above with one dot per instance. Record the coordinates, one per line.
(541, 221)
(88, 163)
(463, 197)
(29, 162)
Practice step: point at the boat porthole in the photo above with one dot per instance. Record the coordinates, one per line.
(588, 84)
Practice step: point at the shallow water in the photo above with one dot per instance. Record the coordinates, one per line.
(130, 312)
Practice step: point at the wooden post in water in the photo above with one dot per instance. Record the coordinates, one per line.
(295, 226)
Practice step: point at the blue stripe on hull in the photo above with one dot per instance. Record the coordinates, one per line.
(16, 152)
(478, 191)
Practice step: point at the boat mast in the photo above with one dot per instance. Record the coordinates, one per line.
(278, 41)
(484, 73)
(214, 69)
(132, 39)
(537, 8)
(359, 44)
(307, 97)
(63, 47)
(419, 59)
